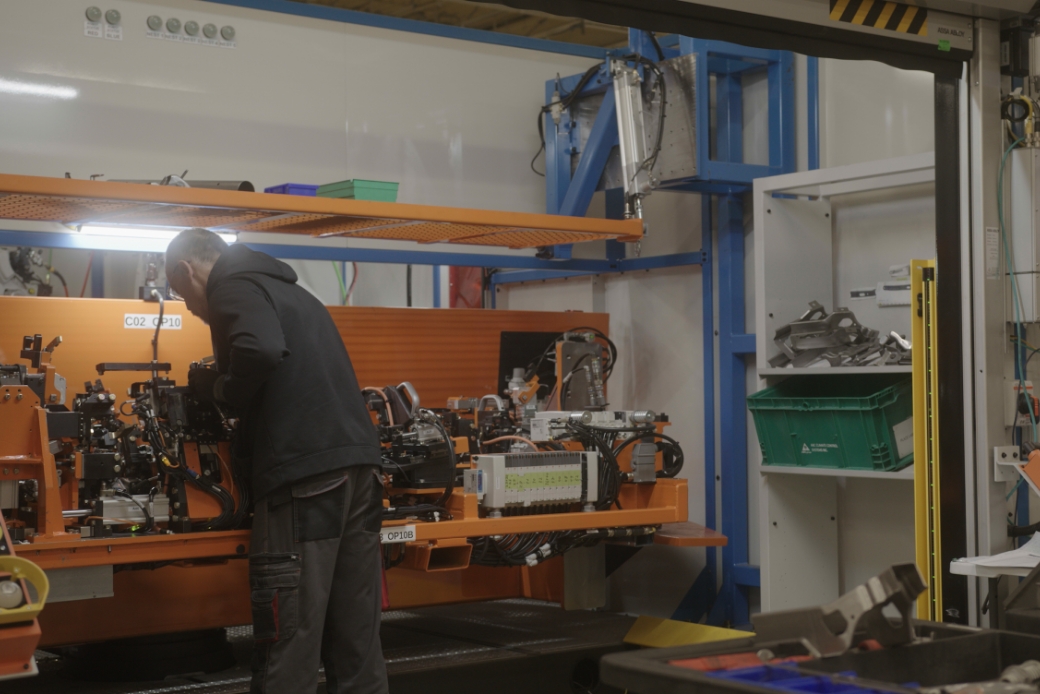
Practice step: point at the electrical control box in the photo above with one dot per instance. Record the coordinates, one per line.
(1015, 37)
(523, 480)
(1022, 227)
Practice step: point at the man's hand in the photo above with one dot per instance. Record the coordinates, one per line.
(202, 383)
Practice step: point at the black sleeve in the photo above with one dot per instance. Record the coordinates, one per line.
(247, 317)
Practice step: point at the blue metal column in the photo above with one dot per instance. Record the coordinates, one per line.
(812, 75)
(781, 113)
(733, 607)
(734, 344)
(436, 286)
(729, 129)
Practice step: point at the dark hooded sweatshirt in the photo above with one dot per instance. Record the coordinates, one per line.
(285, 373)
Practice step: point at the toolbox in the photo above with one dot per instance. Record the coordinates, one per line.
(865, 642)
(851, 421)
(948, 655)
(358, 189)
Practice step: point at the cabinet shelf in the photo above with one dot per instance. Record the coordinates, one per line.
(905, 474)
(823, 370)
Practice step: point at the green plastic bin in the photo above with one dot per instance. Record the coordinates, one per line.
(358, 189)
(846, 421)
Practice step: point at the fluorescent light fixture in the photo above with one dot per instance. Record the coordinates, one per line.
(51, 91)
(145, 234)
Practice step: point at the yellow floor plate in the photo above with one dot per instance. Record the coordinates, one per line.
(653, 632)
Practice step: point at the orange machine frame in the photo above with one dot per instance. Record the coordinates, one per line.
(443, 352)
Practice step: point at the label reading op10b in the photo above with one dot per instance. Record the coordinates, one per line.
(148, 321)
(400, 533)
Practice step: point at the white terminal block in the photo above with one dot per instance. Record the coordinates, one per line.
(534, 479)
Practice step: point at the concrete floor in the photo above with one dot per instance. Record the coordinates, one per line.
(508, 646)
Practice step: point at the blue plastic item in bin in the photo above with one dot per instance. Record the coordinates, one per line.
(293, 189)
(793, 681)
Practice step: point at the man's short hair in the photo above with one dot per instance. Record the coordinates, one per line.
(200, 245)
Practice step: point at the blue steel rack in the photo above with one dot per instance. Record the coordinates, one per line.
(723, 179)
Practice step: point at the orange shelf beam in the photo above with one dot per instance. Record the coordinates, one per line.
(74, 202)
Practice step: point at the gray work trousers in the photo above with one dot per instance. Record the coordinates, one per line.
(314, 574)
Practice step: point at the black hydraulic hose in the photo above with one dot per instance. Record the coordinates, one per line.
(155, 340)
(1022, 530)
(149, 520)
(61, 277)
(449, 487)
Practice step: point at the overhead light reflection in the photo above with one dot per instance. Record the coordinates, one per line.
(51, 91)
(142, 233)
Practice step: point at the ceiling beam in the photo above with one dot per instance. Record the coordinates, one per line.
(561, 29)
(490, 17)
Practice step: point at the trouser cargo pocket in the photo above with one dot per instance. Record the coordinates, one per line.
(274, 580)
(374, 517)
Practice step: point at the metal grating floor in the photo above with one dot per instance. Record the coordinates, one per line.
(515, 645)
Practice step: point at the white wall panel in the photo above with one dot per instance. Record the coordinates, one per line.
(298, 99)
(870, 111)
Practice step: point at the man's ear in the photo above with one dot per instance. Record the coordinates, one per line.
(186, 268)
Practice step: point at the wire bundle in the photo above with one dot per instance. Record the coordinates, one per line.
(609, 471)
(531, 549)
(156, 434)
(1009, 116)
(525, 550)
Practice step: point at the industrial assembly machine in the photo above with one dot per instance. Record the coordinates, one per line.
(121, 486)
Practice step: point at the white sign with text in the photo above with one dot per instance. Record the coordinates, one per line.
(148, 321)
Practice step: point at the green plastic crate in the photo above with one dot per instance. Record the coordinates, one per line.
(849, 421)
(358, 189)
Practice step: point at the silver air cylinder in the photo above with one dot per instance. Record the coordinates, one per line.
(643, 417)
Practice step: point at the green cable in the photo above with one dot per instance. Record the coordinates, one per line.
(1014, 282)
(342, 284)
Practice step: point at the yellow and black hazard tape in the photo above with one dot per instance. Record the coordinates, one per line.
(879, 14)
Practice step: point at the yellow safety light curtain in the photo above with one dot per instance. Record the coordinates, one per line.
(926, 438)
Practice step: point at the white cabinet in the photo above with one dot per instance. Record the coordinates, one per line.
(818, 236)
